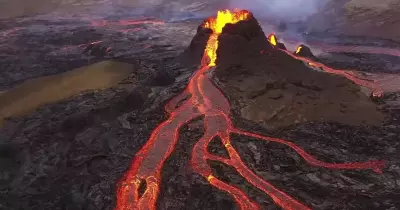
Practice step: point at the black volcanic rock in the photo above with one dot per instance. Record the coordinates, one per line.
(162, 78)
(193, 54)
(280, 45)
(240, 41)
(248, 29)
(305, 52)
(96, 50)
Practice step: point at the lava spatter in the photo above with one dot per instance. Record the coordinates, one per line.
(272, 39)
(208, 101)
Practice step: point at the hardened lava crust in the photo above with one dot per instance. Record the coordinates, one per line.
(70, 154)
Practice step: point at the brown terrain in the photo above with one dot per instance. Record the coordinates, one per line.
(18, 8)
(375, 18)
(32, 94)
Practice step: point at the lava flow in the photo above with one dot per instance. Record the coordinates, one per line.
(351, 48)
(208, 101)
(372, 85)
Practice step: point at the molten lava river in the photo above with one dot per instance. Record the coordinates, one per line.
(208, 101)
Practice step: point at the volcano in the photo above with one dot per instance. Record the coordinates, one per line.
(273, 87)
(233, 46)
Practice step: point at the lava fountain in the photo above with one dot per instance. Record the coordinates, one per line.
(208, 101)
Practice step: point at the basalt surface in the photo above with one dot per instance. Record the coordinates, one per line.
(70, 154)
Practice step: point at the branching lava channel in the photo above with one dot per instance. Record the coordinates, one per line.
(207, 100)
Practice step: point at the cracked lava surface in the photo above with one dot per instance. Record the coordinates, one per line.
(208, 101)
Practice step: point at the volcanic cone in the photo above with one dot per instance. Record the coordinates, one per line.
(268, 86)
(305, 51)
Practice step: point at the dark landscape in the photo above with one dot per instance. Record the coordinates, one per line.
(82, 92)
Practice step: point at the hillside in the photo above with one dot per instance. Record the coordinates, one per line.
(373, 18)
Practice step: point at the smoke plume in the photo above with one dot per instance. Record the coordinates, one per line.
(283, 10)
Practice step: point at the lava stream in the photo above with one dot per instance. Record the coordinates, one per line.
(353, 48)
(372, 85)
(206, 100)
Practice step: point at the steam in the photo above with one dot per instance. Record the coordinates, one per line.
(283, 10)
(278, 10)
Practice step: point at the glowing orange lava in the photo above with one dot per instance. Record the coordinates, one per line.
(372, 85)
(208, 101)
(298, 49)
(351, 48)
(216, 25)
(272, 39)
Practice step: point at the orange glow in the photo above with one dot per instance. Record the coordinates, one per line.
(351, 48)
(298, 49)
(216, 25)
(372, 85)
(202, 98)
(272, 39)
